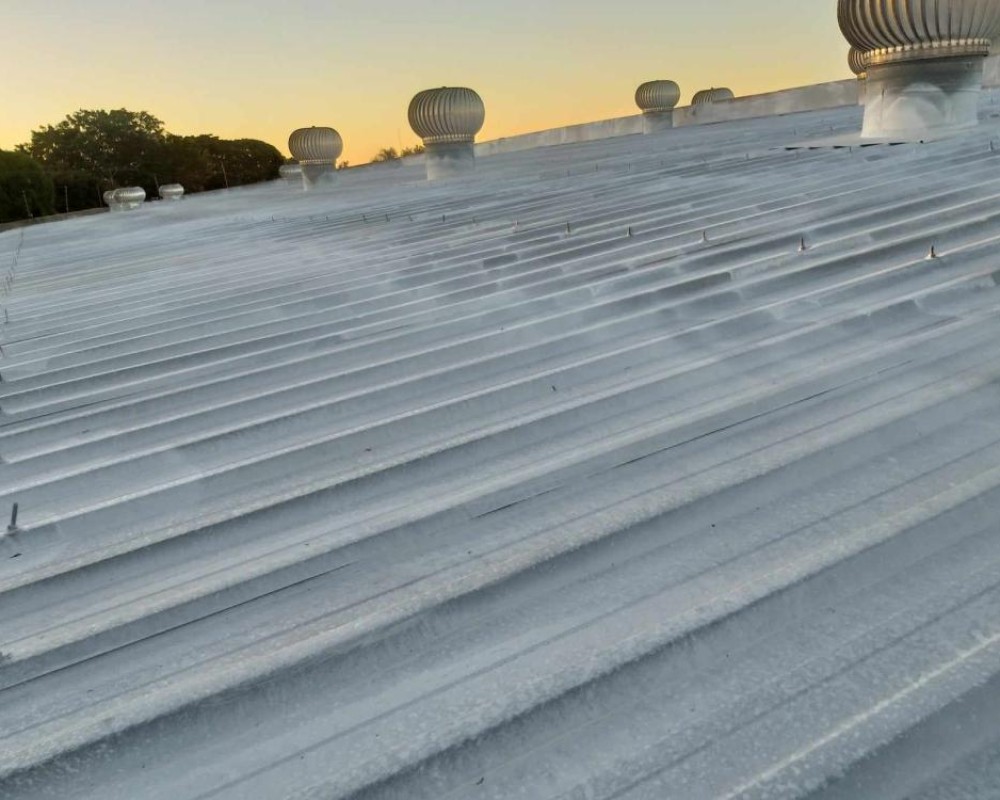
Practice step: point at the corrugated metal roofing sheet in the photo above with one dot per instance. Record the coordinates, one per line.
(578, 479)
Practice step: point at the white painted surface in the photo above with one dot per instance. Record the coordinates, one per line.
(458, 490)
(911, 100)
(788, 101)
(571, 134)
(449, 160)
(991, 72)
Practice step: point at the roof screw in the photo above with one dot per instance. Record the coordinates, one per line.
(516, 224)
(443, 217)
(364, 218)
(704, 236)
(802, 245)
(628, 232)
(12, 528)
(932, 254)
(386, 218)
(569, 229)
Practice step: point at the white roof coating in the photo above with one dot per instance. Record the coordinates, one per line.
(577, 478)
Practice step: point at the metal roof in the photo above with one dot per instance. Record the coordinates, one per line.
(656, 467)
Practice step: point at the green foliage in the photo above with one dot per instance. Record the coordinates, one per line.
(25, 190)
(90, 152)
(387, 154)
(81, 189)
(113, 146)
(248, 160)
(187, 160)
(203, 163)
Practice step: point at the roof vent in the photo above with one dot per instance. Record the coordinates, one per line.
(857, 60)
(317, 151)
(447, 119)
(128, 198)
(171, 191)
(924, 62)
(712, 96)
(291, 174)
(657, 100)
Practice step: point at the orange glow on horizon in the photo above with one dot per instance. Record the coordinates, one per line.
(236, 74)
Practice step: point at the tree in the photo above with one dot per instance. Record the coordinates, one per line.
(387, 154)
(80, 190)
(188, 160)
(115, 147)
(248, 160)
(202, 163)
(25, 190)
(92, 151)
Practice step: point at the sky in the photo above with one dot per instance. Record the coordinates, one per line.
(260, 69)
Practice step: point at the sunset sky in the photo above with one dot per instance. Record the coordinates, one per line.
(248, 68)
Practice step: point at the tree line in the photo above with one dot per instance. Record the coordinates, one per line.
(68, 166)
(386, 154)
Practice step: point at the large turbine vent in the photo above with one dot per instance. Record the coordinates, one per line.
(447, 119)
